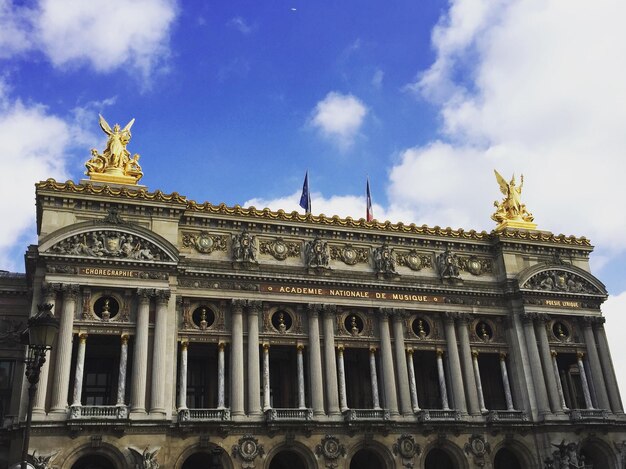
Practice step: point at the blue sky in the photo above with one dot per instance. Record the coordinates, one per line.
(234, 101)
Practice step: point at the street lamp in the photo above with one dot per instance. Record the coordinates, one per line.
(40, 335)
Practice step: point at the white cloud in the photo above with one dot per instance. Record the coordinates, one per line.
(241, 25)
(104, 34)
(522, 89)
(339, 117)
(615, 312)
(34, 145)
(377, 78)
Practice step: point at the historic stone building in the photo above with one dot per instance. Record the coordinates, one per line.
(198, 336)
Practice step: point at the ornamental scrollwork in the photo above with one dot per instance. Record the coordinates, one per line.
(248, 449)
(478, 447)
(331, 450)
(560, 281)
(475, 265)
(349, 254)
(384, 260)
(280, 249)
(109, 244)
(407, 448)
(204, 242)
(317, 254)
(414, 260)
(448, 266)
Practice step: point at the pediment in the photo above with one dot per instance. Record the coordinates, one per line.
(109, 243)
(563, 281)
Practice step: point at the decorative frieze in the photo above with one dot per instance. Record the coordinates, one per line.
(560, 281)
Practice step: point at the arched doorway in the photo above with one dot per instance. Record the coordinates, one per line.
(366, 459)
(506, 459)
(438, 459)
(287, 460)
(94, 461)
(204, 460)
(595, 455)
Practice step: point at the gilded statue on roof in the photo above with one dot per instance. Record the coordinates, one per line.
(511, 212)
(115, 163)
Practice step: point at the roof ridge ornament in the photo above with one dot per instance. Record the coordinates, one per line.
(115, 164)
(511, 212)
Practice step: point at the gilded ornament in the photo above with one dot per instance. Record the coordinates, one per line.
(109, 244)
(414, 260)
(349, 255)
(115, 163)
(475, 265)
(560, 281)
(511, 212)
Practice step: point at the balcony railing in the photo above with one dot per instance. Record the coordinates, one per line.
(97, 412)
(203, 415)
(589, 414)
(506, 416)
(288, 415)
(356, 415)
(438, 415)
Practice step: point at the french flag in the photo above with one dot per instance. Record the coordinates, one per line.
(370, 213)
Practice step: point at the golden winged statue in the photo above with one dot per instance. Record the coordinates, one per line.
(115, 163)
(511, 212)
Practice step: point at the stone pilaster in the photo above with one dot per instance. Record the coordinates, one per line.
(404, 390)
(254, 384)
(315, 361)
(456, 374)
(236, 364)
(546, 360)
(332, 399)
(469, 378)
(159, 353)
(140, 355)
(539, 387)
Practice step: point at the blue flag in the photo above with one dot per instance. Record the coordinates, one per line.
(305, 199)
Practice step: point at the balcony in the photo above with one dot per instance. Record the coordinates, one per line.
(288, 415)
(596, 415)
(203, 415)
(507, 416)
(98, 412)
(438, 415)
(366, 415)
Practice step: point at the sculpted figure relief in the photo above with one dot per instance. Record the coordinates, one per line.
(244, 247)
(384, 261)
(116, 161)
(511, 208)
(448, 265)
(317, 253)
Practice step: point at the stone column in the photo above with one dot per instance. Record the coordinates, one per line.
(389, 377)
(267, 404)
(182, 379)
(254, 385)
(607, 367)
(594, 364)
(343, 400)
(315, 361)
(374, 379)
(583, 378)
(300, 363)
(236, 364)
(406, 401)
(39, 406)
(121, 377)
(80, 367)
(61, 378)
(140, 355)
(479, 384)
(442, 381)
(557, 377)
(455, 365)
(469, 377)
(159, 353)
(546, 359)
(220, 376)
(505, 382)
(332, 399)
(412, 382)
(541, 396)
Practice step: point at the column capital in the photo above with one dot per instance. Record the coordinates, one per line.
(384, 313)
(340, 348)
(300, 347)
(83, 337)
(502, 356)
(237, 305)
(221, 346)
(162, 296)
(329, 310)
(144, 294)
(266, 347)
(450, 316)
(528, 317)
(184, 344)
(254, 306)
(410, 351)
(50, 289)
(124, 338)
(313, 309)
(439, 353)
(580, 355)
(70, 291)
(553, 353)
(464, 318)
(474, 354)
(373, 349)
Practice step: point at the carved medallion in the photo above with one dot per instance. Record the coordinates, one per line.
(280, 249)
(349, 255)
(406, 447)
(204, 242)
(248, 449)
(414, 260)
(331, 450)
(475, 266)
(479, 448)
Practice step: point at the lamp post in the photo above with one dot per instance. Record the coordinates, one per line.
(40, 335)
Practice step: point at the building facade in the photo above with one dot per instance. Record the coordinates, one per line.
(197, 335)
